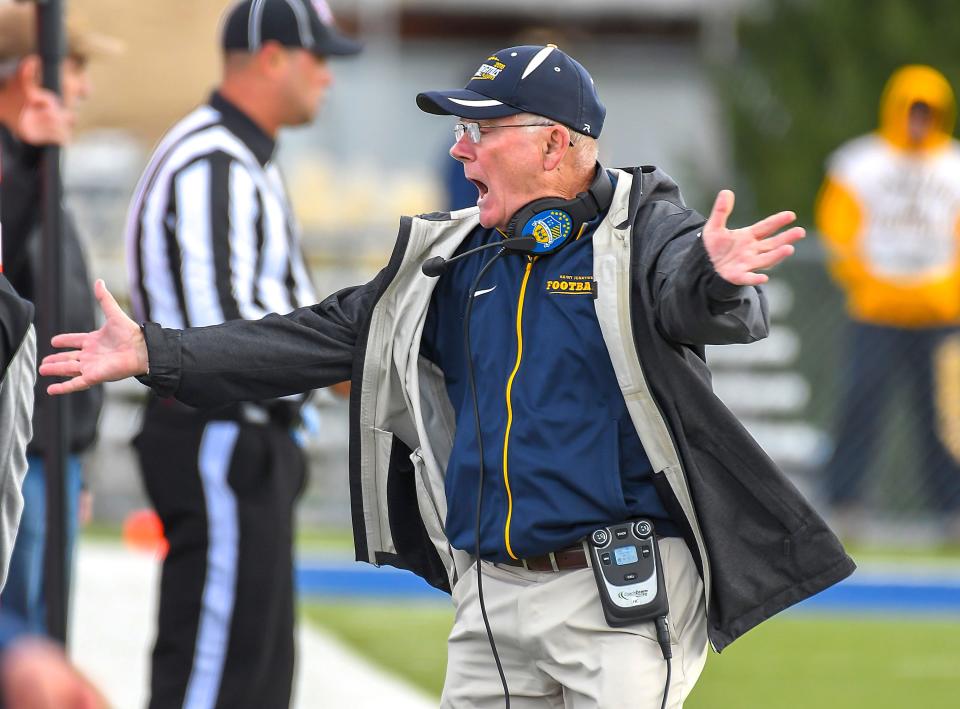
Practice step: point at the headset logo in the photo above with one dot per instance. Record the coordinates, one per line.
(550, 228)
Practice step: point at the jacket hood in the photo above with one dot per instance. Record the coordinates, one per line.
(907, 86)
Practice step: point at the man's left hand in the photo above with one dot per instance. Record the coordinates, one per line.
(737, 254)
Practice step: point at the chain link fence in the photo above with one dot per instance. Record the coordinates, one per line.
(826, 398)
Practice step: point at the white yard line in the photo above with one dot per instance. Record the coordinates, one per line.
(112, 627)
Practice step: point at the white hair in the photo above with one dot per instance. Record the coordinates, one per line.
(584, 148)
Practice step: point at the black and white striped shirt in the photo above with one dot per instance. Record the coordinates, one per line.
(210, 233)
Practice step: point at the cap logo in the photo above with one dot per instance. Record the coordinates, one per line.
(586, 128)
(490, 69)
(323, 12)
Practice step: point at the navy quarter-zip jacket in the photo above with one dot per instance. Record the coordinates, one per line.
(561, 457)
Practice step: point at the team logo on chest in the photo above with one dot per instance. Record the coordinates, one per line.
(572, 285)
(550, 228)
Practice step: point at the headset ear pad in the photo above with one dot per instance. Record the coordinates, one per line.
(553, 220)
(520, 221)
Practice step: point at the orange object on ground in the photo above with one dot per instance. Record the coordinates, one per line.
(143, 531)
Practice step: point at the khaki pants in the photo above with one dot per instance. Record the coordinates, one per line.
(558, 651)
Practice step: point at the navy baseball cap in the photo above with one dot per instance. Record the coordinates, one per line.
(292, 23)
(527, 79)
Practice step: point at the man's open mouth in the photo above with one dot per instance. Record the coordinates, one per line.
(482, 188)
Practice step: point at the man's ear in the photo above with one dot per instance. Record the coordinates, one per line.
(558, 141)
(271, 56)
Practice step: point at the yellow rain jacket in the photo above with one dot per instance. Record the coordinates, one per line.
(889, 211)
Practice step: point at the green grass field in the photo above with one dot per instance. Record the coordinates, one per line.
(408, 639)
(798, 661)
(793, 662)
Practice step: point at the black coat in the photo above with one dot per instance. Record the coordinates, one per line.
(15, 317)
(768, 549)
(20, 217)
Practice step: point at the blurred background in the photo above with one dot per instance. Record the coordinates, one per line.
(372, 155)
(747, 94)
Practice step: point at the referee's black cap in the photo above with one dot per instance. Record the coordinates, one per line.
(308, 24)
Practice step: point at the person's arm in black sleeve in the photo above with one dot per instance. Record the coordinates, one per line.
(707, 276)
(694, 304)
(241, 360)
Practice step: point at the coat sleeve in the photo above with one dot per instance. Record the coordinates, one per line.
(244, 360)
(693, 304)
(17, 375)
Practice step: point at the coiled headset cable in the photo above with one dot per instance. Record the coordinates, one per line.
(663, 640)
(476, 417)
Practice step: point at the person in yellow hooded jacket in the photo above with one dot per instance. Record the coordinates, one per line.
(889, 215)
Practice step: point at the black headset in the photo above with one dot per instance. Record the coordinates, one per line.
(552, 221)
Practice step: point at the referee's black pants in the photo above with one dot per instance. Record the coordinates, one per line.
(225, 491)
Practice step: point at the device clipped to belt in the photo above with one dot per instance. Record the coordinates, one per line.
(629, 574)
(626, 563)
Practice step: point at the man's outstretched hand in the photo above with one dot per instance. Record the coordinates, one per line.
(737, 254)
(115, 351)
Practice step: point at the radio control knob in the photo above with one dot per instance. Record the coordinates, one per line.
(643, 529)
(600, 537)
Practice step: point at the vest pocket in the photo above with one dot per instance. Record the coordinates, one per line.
(383, 441)
(432, 512)
(426, 495)
(409, 519)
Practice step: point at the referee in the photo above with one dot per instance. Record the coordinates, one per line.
(211, 237)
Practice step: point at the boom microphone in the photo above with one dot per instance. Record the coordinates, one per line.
(435, 266)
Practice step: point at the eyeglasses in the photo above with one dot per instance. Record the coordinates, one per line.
(472, 129)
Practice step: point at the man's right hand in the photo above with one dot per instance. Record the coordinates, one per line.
(115, 351)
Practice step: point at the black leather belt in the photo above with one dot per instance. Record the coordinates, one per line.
(566, 559)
